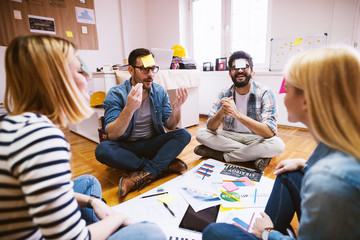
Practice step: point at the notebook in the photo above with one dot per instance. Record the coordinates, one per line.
(163, 57)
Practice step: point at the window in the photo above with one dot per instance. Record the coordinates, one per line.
(221, 27)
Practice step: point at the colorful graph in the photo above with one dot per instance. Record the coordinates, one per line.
(205, 170)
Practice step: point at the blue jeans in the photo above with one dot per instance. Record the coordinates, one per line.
(284, 201)
(89, 185)
(151, 155)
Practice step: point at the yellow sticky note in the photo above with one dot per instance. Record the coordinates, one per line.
(148, 61)
(223, 209)
(298, 41)
(166, 198)
(69, 34)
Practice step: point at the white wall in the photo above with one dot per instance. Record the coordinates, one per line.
(133, 15)
(109, 28)
(154, 23)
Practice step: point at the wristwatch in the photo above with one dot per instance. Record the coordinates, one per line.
(89, 202)
(265, 233)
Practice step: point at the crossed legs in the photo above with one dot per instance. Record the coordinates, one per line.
(240, 147)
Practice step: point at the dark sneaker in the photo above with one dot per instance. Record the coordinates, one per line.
(176, 166)
(135, 180)
(207, 152)
(262, 163)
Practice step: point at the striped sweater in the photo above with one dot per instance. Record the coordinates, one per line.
(36, 195)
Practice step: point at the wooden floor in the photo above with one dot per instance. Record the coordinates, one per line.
(299, 144)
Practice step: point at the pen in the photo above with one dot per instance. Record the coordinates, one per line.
(167, 207)
(152, 195)
(255, 195)
(250, 221)
(230, 195)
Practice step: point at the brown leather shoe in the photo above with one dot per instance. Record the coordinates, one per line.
(261, 163)
(135, 180)
(207, 152)
(176, 166)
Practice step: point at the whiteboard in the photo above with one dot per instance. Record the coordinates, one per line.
(282, 49)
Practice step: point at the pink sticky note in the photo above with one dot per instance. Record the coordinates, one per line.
(247, 181)
(230, 186)
(282, 88)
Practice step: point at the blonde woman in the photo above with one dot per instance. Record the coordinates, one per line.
(323, 92)
(46, 88)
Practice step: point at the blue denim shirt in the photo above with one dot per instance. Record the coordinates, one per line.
(160, 107)
(261, 106)
(330, 197)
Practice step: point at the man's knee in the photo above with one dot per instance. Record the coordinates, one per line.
(185, 135)
(279, 145)
(101, 151)
(202, 134)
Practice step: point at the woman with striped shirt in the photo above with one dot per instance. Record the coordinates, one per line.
(46, 88)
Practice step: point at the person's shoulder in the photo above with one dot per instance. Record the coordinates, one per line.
(120, 87)
(32, 128)
(40, 123)
(158, 87)
(259, 85)
(337, 168)
(261, 89)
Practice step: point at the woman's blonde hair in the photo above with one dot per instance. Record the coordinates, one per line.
(38, 79)
(330, 80)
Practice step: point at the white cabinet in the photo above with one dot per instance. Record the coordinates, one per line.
(89, 127)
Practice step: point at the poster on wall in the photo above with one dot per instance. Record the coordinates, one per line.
(85, 15)
(40, 24)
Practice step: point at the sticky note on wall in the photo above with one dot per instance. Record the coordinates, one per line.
(69, 34)
(298, 41)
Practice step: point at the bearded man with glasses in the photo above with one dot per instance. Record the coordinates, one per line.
(248, 112)
(136, 114)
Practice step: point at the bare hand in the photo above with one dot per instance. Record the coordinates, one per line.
(181, 96)
(290, 165)
(134, 99)
(101, 209)
(260, 224)
(228, 106)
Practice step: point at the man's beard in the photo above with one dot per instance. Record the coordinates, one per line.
(242, 83)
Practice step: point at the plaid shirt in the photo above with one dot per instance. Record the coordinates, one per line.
(261, 106)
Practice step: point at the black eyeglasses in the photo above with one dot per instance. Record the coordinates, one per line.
(143, 70)
(233, 69)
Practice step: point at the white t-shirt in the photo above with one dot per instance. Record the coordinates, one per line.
(241, 102)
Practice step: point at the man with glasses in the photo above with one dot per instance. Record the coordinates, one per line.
(136, 112)
(248, 112)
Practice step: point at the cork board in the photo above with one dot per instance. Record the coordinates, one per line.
(73, 20)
